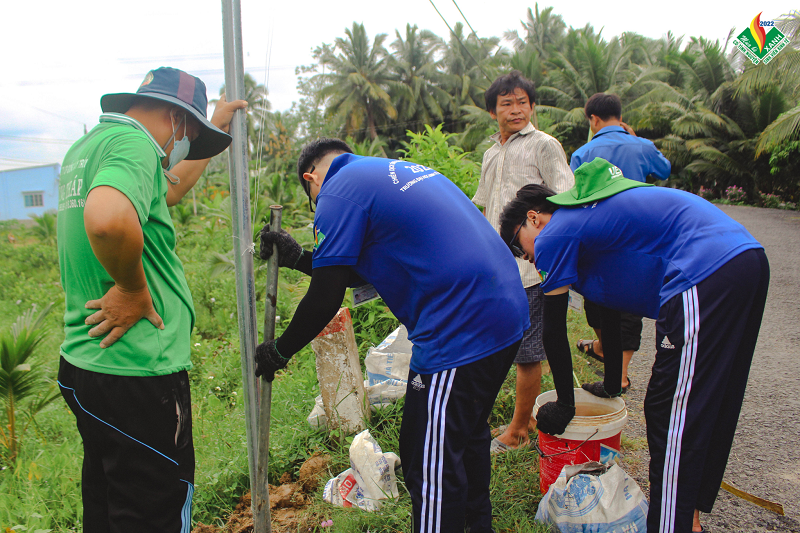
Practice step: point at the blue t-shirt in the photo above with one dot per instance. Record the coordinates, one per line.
(637, 249)
(433, 257)
(636, 157)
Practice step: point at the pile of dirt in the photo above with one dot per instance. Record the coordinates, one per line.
(285, 500)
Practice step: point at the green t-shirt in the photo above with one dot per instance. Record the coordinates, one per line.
(120, 153)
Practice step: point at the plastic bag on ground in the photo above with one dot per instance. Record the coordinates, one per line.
(387, 368)
(387, 375)
(594, 497)
(369, 479)
(317, 419)
(343, 491)
(390, 359)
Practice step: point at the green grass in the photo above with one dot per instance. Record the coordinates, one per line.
(41, 491)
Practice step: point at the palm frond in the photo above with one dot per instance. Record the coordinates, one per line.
(784, 129)
(218, 264)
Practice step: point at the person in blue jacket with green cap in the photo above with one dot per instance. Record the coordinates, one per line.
(671, 256)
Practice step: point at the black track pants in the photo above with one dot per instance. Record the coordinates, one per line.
(705, 339)
(444, 444)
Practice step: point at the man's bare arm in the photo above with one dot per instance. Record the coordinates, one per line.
(115, 235)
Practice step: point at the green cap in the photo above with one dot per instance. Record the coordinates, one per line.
(594, 181)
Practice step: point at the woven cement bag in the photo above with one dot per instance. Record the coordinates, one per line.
(593, 497)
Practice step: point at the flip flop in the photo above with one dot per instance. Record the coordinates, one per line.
(587, 347)
(499, 430)
(497, 447)
(625, 389)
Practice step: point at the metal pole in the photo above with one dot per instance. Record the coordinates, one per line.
(242, 231)
(260, 503)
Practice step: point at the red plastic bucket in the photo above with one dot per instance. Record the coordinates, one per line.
(586, 438)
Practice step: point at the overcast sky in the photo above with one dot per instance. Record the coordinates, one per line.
(59, 58)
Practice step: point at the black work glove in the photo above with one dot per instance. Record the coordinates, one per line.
(598, 389)
(289, 251)
(553, 417)
(268, 360)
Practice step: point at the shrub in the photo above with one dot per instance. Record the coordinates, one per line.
(432, 148)
(706, 194)
(770, 200)
(735, 195)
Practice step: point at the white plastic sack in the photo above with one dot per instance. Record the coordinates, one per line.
(385, 393)
(387, 375)
(343, 491)
(580, 501)
(317, 419)
(369, 479)
(387, 368)
(390, 359)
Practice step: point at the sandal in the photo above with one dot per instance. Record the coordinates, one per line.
(497, 447)
(587, 347)
(499, 430)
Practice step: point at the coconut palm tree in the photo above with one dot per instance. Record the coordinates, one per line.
(544, 32)
(418, 97)
(467, 68)
(586, 65)
(45, 227)
(257, 105)
(707, 72)
(24, 390)
(469, 64)
(356, 82)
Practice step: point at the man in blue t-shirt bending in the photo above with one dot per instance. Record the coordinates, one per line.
(446, 274)
(668, 255)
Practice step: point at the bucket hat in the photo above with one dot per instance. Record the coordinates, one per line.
(182, 89)
(594, 181)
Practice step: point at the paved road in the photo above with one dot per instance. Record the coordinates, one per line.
(765, 460)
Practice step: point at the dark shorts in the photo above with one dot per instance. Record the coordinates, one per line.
(532, 350)
(630, 325)
(138, 464)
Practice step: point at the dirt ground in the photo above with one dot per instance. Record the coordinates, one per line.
(286, 501)
(765, 459)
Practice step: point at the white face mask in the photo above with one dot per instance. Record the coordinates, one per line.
(180, 149)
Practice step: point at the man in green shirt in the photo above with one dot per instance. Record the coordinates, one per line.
(129, 312)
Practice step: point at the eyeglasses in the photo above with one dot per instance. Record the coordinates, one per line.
(307, 187)
(516, 250)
